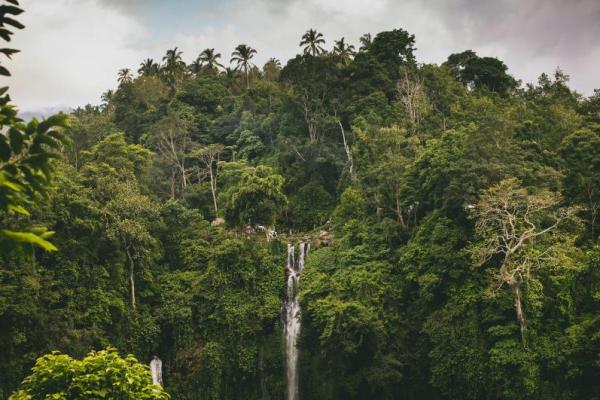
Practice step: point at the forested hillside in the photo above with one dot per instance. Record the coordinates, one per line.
(452, 213)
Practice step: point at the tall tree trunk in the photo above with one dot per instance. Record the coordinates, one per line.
(399, 212)
(173, 185)
(519, 306)
(312, 132)
(184, 179)
(131, 276)
(311, 124)
(213, 189)
(347, 148)
(247, 78)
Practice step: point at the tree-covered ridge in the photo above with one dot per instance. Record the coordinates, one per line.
(453, 212)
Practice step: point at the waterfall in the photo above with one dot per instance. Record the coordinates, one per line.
(156, 370)
(292, 317)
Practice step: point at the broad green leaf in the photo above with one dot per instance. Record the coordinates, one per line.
(29, 237)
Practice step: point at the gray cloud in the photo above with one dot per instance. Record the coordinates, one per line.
(531, 36)
(127, 5)
(538, 26)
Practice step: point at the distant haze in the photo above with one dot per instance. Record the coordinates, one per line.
(72, 49)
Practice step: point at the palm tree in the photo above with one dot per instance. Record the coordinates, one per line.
(343, 51)
(242, 56)
(365, 40)
(229, 76)
(174, 68)
(125, 76)
(174, 65)
(271, 69)
(148, 67)
(107, 98)
(312, 41)
(173, 59)
(275, 62)
(195, 67)
(209, 59)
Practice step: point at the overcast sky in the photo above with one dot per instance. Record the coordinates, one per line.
(72, 49)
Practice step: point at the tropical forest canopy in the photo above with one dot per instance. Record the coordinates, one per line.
(452, 212)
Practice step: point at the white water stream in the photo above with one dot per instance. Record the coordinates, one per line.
(292, 317)
(156, 370)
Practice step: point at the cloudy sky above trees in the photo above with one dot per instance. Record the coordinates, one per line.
(72, 49)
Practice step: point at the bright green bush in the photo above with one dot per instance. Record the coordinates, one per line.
(100, 375)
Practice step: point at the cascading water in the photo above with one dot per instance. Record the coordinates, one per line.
(292, 317)
(156, 370)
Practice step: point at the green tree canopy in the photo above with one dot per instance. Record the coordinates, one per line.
(251, 195)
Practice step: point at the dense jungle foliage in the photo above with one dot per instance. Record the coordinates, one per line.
(453, 214)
